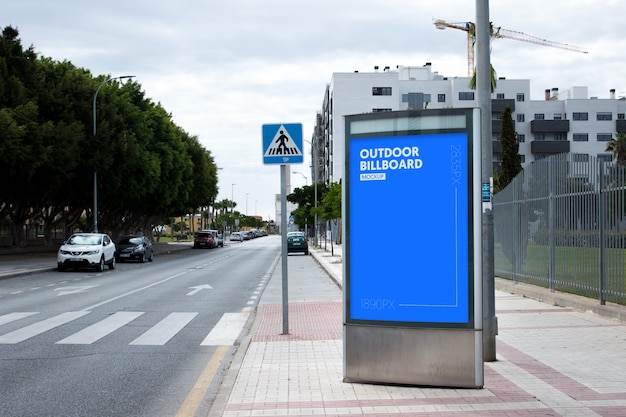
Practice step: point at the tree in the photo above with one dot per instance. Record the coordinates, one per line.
(511, 161)
(494, 76)
(305, 199)
(617, 145)
(153, 169)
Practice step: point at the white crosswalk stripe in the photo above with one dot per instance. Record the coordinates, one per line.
(225, 332)
(8, 318)
(43, 326)
(98, 330)
(164, 330)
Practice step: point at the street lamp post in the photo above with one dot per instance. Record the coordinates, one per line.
(95, 172)
(232, 198)
(306, 181)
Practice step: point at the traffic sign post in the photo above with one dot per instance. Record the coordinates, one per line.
(282, 145)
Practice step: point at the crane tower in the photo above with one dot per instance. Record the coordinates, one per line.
(498, 32)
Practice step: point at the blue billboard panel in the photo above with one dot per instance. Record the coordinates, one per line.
(409, 229)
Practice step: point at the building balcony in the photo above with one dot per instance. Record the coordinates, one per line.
(496, 126)
(549, 126)
(549, 146)
(620, 126)
(498, 105)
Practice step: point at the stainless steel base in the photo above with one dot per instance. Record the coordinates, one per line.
(413, 356)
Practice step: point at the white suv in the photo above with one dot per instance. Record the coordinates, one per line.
(87, 250)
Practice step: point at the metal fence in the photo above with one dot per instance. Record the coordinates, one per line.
(561, 224)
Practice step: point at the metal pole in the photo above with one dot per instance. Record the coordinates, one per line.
(314, 179)
(95, 173)
(232, 198)
(283, 232)
(483, 88)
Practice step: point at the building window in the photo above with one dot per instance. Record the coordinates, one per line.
(580, 116)
(521, 117)
(604, 116)
(581, 137)
(540, 116)
(540, 137)
(521, 138)
(441, 98)
(604, 137)
(500, 96)
(466, 95)
(581, 157)
(520, 97)
(381, 91)
(620, 116)
(380, 110)
(605, 157)
(558, 136)
(557, 116)
(522, 159)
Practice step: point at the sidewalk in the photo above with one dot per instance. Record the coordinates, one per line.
(551, 360)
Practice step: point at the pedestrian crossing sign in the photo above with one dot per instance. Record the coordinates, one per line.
(282, 144)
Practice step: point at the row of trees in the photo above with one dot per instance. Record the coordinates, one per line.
(328, 205)
(149, 169)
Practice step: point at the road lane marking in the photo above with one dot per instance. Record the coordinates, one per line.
(164, 330)
(100, 329)
(43, 326)
(194, 398)
(227, 330)
(199, 288)
(134, 291)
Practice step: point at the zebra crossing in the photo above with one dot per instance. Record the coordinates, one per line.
(225, 332)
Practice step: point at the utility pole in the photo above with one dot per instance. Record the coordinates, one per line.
(483, 88)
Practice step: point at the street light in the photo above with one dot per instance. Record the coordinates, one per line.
(232, 198)
(95, 172)
(315, 181)
(305, 177)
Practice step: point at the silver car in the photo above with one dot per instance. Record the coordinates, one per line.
(87, 250)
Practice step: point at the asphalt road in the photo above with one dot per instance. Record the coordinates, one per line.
(150, 339)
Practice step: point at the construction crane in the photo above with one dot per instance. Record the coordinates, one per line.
(498, 32)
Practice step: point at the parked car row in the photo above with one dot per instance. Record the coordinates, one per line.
(97, 250)
(247, 235)
(208, 239)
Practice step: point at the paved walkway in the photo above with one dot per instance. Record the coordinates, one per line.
(551, 360)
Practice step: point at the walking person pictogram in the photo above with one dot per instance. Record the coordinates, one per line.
(282, 144)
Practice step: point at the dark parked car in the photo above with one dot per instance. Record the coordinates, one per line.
(205, 239)
(297, 243)
(134, 248)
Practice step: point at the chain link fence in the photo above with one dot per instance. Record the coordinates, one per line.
(561, 224)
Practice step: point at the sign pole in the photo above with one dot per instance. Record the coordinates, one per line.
(282, 144)
(283, 233)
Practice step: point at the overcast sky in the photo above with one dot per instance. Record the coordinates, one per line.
(225, 68)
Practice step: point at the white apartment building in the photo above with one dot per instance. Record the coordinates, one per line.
(567, 121)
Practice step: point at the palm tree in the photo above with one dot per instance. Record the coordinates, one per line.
(618, 147)
(471, 31)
